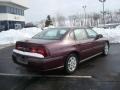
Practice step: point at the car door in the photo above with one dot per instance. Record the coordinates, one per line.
(83, 44)
(97, 43)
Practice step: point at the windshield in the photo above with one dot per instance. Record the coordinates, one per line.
(51, 34)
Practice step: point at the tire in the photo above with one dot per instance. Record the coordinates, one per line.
(71, 64)
(106, 49)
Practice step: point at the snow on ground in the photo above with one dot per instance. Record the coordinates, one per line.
(118, 27)
(11, 36)
(49, 27)
(112, 34)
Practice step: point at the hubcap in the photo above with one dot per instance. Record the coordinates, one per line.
(72, 63)
(106, 49)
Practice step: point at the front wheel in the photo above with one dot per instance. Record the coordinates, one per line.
(71, 64)
(106, 49)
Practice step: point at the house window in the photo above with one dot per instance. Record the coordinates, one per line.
(8, 10)
(11, 10)
(3, 9)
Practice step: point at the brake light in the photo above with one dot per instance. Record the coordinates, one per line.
(30, 48)
(33, 50)
(39, 51)
(18, 47)
(42, 51)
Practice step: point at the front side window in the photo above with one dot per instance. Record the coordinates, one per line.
(80, 34)
(51, 34)
(91, 33)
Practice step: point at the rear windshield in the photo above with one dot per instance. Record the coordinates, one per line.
(51, 34)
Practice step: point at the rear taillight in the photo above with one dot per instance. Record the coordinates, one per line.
(18, 46)
(42, 51)
(33, 49)
(39, 51)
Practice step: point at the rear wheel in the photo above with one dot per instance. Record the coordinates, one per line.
(106, 49)
(71, 64)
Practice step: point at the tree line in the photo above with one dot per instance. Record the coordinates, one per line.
(81, 20)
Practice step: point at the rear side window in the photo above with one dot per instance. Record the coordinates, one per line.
(80, 34)
(51, 34)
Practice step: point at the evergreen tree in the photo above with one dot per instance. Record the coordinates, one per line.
(48, 21)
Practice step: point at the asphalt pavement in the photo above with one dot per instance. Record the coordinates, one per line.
(99, 73)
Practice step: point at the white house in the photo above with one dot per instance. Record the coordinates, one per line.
(12, 14)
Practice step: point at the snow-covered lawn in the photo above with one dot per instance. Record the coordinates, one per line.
(11, 36)
(112, 34)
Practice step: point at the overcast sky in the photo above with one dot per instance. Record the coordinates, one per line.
(39, 9)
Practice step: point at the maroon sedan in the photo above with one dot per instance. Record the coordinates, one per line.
(57, 48)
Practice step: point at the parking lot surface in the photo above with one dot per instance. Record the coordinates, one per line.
(99, 73)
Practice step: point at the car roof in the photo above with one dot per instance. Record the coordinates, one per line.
(69, 28)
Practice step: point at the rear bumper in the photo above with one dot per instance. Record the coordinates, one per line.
(41, 64)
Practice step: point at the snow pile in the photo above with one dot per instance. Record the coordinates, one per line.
(49, 27)
(11, 36)
(112, 34)
(118, 27)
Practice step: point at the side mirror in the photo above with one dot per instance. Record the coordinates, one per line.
(99, 36)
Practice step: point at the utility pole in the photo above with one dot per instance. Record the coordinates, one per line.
(103, 3)
(84, 8)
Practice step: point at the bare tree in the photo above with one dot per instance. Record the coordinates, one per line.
(60, 19)
(92, 19)
(118, 15)
(75, 20)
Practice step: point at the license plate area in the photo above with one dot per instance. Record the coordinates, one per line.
(22, 60)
